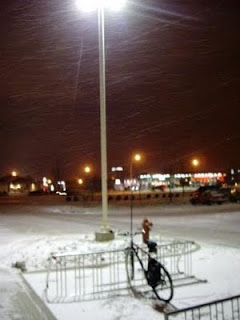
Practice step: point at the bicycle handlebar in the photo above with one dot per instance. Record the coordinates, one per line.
(125, 234)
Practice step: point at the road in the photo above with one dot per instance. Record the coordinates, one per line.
(217, 224)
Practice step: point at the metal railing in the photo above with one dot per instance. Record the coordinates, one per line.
(224, 309)
(75, 277)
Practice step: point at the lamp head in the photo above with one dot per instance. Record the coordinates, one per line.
(91, 5)
(137, 157)
(14, 173)
(195, 162)
(80, 181)
(87, 169)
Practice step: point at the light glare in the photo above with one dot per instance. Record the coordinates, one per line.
(87, 169)
(195, 162)
(87, 6)
(91, 5)
(137, 157)
(114, 4)
(118, 182)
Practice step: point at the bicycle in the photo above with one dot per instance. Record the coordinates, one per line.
(146, 271)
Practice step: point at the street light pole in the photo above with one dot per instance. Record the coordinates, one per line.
(131, 201)
(104, 234)
(137, 157)
(102, 84)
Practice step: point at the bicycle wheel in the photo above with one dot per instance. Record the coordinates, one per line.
(130, 265)
(135, 273)
(164, 287)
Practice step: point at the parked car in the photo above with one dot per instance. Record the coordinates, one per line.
(231, 193)
(208, 195)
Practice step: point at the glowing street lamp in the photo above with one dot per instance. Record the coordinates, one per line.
(195, 162)
(135, 158)
(14, 173)
(80, 181)
(87, 169)
(90, 5)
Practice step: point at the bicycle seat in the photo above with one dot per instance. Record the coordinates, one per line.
(152, 246)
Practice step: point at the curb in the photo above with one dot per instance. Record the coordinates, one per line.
(41, 310)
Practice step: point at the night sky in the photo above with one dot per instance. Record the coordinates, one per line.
(172, 77)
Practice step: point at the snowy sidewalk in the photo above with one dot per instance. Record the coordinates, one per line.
(18, 301)
(219, 265)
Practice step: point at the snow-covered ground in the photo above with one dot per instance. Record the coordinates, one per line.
(29, 234)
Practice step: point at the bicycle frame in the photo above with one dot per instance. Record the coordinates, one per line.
(136, 248)
(155, 274)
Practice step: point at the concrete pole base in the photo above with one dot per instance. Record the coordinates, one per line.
(104, 235)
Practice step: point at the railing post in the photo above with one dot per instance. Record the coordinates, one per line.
(165, 316)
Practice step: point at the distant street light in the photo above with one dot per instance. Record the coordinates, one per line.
(14, 173)
(195, 162)
(105, 233)
(87, 169)
(80, 181)
(135, 158)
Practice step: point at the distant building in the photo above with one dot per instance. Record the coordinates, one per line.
(159, 181)
(16, 185)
